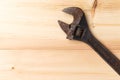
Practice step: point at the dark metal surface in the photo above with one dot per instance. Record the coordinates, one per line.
(79, 30)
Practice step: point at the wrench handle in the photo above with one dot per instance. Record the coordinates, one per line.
(107, 55)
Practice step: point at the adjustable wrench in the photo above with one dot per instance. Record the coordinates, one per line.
(79, 30)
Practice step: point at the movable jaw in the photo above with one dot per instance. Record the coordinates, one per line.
(77, 29)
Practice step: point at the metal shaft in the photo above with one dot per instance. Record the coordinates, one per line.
(106, 54)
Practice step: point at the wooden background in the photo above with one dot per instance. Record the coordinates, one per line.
(33, 47)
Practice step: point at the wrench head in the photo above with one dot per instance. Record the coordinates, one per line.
(79, 24)
(76, 12)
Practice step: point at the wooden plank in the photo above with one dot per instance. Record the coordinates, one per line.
(29, 37)
(25, 25)
(84, 4)
(107, 13)
(34, 47)
(54, 64)
(28, 24)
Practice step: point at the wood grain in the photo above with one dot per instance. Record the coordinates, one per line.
(33, 47)
(54, 64)
(107, 13)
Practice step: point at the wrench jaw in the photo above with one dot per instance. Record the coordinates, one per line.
(64, 26)
(76, 12)
(78, 29)
(67, 29)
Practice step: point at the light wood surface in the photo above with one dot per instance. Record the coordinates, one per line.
(107, 13)
(33, 47)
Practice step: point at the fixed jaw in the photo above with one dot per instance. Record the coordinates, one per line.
(70, 29)
(76, 12)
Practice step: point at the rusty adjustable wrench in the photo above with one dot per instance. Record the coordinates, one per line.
(79, 30)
